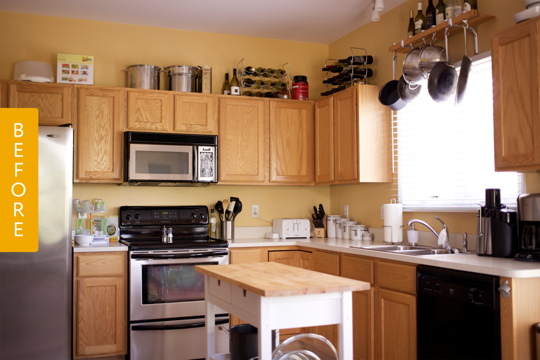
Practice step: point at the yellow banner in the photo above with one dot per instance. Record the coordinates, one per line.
(19, 187)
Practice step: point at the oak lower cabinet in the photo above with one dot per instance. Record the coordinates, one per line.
(243, 140)
(362, 143)
(291, 142)
(516, 96)
(99, 135)
(99, 304)
(56, 103)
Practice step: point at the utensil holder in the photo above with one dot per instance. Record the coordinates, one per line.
(227, 230)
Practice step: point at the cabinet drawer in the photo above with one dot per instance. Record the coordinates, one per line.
(357, 268)
(327, 263)
(220, 289)
(245, 300)
(396, 276)
(102, 264)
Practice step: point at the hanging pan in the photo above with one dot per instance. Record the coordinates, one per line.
(389, 96)
(466, 66)
(443, 78)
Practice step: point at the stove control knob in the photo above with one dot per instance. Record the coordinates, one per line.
(202, 217)
(128, 217)
(193, 215)
(477, 296)
(137, 216)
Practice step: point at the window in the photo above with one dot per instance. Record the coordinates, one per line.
(444, 155)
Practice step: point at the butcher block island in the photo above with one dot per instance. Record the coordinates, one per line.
(275, 296)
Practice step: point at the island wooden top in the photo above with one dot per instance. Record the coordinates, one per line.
(274, 279)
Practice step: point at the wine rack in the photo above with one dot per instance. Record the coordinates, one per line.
(354, 78)
(284, 78)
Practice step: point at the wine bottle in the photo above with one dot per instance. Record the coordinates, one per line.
(249, 70)
(356, 74)
(449, 9)
(226, 89)
(328, 68)
(269, 94)
(458, 7)
(410, 31)
(280, 72)
(277, 84)
(235, 85)
(270, 71)
(247, 82)
(430, 15)
(470, 5)
(419, 20)
(440, 12)
(258, 94)
(260, 82)
(260, 71)
(357, 60)
(248, 93)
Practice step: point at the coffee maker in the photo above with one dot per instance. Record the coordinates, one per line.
(497, 227)
(528, 227)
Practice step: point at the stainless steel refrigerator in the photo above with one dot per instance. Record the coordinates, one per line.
(35, 288)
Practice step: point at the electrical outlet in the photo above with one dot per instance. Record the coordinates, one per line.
(254, 210)
(346, 211)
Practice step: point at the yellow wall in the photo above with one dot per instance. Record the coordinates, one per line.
(365, 200)
(116, 46)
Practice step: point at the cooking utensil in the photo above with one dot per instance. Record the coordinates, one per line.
(466, 66)
(182, 77)
(442, 82)
(430, 56)
(219, 209)
(412, 73)
(144, 76)
(237, 207)
(407, 92)
(229, 212)
(389, 96)
(225, 205)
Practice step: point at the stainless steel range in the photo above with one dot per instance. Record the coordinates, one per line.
(167, 306)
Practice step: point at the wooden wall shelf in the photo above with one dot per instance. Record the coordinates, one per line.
(472, 18)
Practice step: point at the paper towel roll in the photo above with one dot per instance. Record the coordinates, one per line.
(393, 222)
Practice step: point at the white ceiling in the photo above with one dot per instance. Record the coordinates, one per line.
(314, 21)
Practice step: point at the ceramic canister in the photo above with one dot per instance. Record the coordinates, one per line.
(331, 225)
(347, 229)
(357, 231)
(339, 227)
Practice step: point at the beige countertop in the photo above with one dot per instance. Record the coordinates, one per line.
(112, 246)
(464, 262)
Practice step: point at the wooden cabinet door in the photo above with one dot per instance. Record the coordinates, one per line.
(101, 316)
(245, 256)
(149, 110)
(346, 135)
(363, 325)
(324, 140)
(290, 258)
(327, 263)
(291, 142)
(395, 325)
(100, 129)
(195, 114)
(375, 131)
(516, 96)
(55, 102)
(305, 260)
(243, 140)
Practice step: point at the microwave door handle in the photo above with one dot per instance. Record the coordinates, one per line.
(176, 327)
(180, 256)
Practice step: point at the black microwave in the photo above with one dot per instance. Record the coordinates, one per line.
(170, 158)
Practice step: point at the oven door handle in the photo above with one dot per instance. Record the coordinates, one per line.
(176, 327)
(180, 256)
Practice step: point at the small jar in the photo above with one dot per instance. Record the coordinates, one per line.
(300, 88)
(339, 228)
(347, 229)
(331, 225)
(357, 231)
(367, 236)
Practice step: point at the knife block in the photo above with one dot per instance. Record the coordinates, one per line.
(320, 232)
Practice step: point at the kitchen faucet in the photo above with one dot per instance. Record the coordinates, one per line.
(442, 236)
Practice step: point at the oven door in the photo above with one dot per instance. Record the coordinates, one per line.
(175, 339)
(165, 285)
(160, 162)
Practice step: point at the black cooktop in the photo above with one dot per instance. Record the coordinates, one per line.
(179, 244)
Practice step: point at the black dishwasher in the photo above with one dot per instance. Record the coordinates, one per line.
(458, 315)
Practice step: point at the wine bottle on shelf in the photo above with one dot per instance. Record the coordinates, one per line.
(235, 85)
(356, 60)
(247, 82)
(260, 82)
(249, 70)
(249, 93)
(269, 94)
(226, 89)
(280, 72)
(355, 74)
(458, 7)
(440, 12)
(260, 71)
(270, 71)
(449, 9)
(328, 67)
(410, 31)
(277, 84)
(470, 5)
(430, 15)
(419, 20)
(258, 94)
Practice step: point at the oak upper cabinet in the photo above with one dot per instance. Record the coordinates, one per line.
(324, 141)
(195, 114)
(55, 102)
(100, 128)
(291, 142)
(516, 96)
(346, 135)
(149, 110)
(243, 140)
(99, 304)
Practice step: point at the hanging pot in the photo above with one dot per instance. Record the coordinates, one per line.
(408, 92)
(389, 96)
(430, 56)
(442, 82)
(412, 73)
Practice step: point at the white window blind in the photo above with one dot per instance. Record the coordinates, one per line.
(444, 155)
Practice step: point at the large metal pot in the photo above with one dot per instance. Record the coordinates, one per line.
(430, 56)
(182, 77)
(144, 76)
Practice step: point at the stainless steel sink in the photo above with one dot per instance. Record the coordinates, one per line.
(406, 249)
